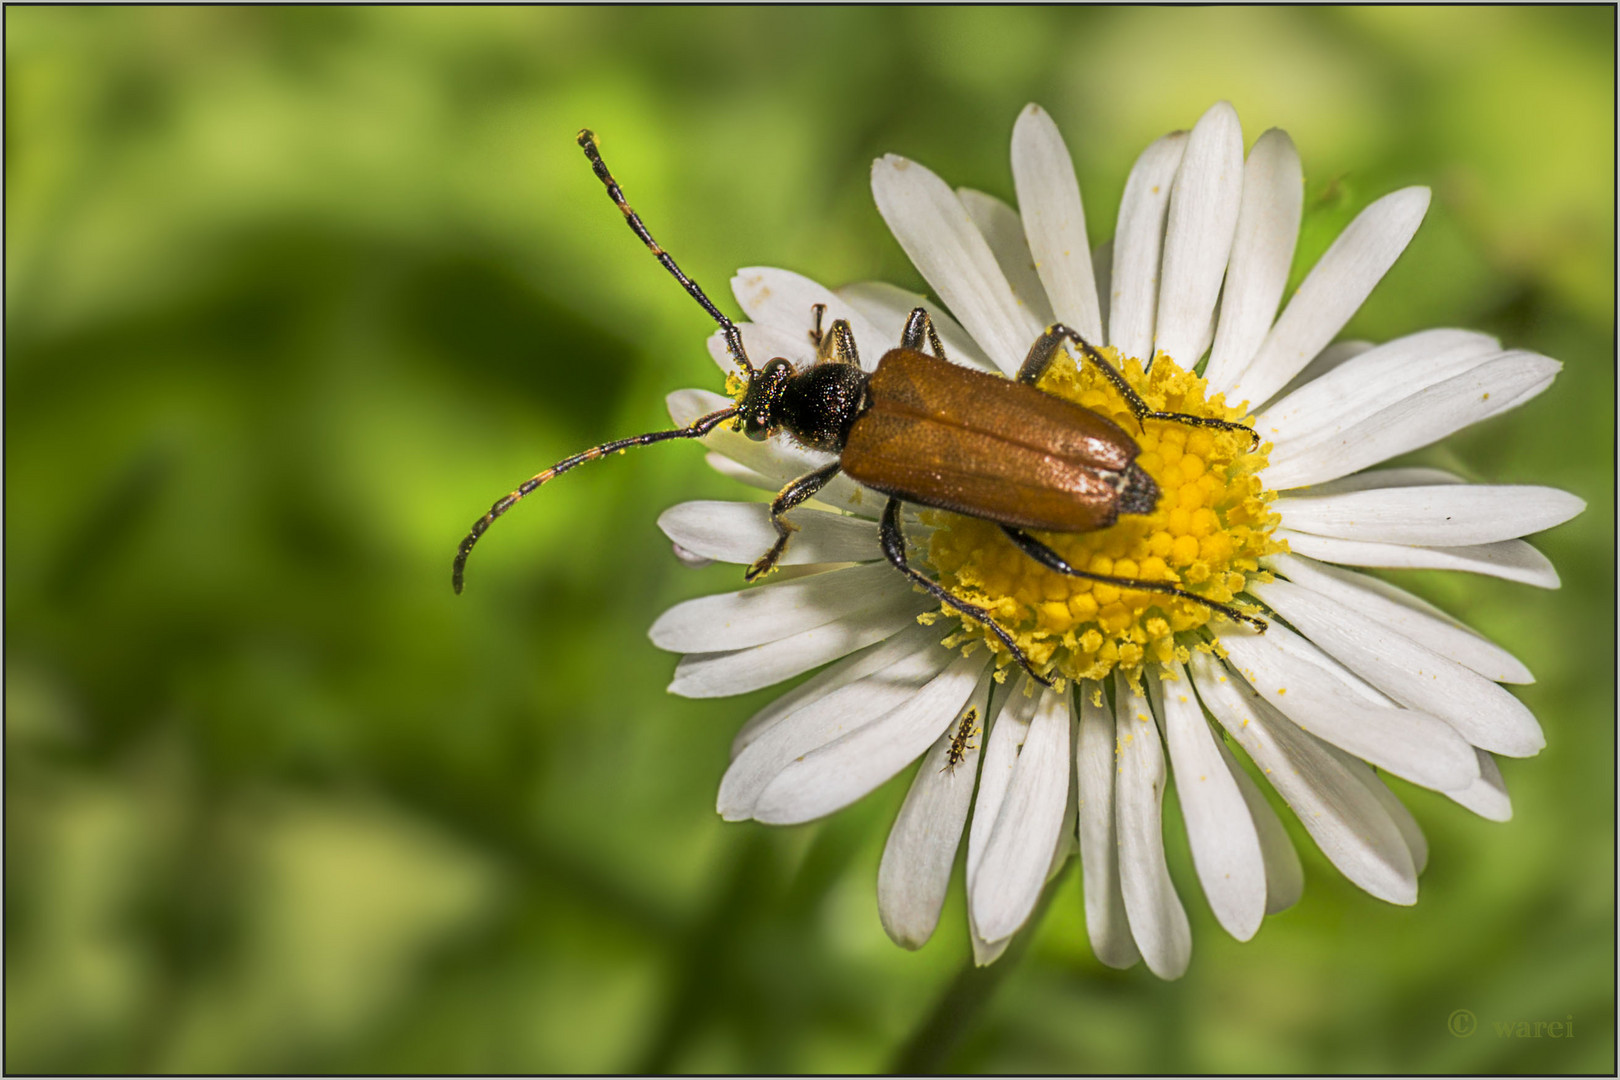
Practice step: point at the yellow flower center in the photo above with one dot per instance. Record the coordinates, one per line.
(1207, 535)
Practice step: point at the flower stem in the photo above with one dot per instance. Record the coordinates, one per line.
(941, 1031)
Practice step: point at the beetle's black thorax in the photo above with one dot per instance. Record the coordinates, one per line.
(821, 404)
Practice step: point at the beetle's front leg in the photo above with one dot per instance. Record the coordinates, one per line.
(894, 549)
(795, 493)
(920, 327)
(1045, 350)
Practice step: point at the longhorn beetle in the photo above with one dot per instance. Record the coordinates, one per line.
(920, 429)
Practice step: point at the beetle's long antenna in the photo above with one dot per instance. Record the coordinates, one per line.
(697, 429)
(734, 344)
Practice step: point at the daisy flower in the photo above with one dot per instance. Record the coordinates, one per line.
(1352, 677)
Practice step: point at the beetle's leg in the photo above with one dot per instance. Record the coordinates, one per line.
(795, 493)
(1053, 561)
(1045, 349)
(837, 345)
(918, 328)
(894, 548)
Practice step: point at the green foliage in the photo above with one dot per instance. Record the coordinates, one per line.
(294, 293)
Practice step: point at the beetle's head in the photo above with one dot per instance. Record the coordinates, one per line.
(758, 413)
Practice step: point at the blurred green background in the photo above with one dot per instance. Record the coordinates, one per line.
(293, 294)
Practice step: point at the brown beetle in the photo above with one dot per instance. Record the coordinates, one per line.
(923, 430)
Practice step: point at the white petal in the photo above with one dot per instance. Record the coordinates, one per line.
(1417, 421)
(1158, 921)
(1407, 476)
(689, 558)
(1055, 220)
(885, 680)
(1487, 796)
(1139, 246)
(936, 232)
(741, 473)
(686, 406)
(874, 658)
(1451, 515)
(1262, 251)
(1328, 359)
(762, 344)
(1411, 832)
(1018, 853)
(1225, 845)
(888, 306)
(1013, 710)
(1312, 690)
(1403, 613)
(1285, 874)
(1198, 234)
(1332, 292)
(1419, 678)
(785, 301)
(754, 616)
(1099, 852)
(916, 867)
(1346, 821)
(1296, 650)
(1344, 397)
(1513, 560)
(1102, 268)
(986, 953)
(847, 769)
(1002, 230)
(721, 674)
(1068, 838)
(740, 532)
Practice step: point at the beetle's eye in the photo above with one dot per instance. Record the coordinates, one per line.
(755, 428)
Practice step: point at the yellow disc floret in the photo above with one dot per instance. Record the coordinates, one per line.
(1207, 534)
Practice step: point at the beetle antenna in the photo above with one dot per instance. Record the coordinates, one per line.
(695, 430)
(734, 344)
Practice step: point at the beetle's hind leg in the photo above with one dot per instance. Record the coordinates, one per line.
(1045, 350)
(894, 548)
(919, 328)
(795, 493)
(1053, 561)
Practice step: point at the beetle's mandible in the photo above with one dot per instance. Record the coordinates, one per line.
(923, 430)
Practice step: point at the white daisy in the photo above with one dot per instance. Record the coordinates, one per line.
(1352, 672)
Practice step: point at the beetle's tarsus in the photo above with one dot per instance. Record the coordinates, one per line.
(798, 491)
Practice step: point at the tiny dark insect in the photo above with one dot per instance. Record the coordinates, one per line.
(959, 742)
(923, 430)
